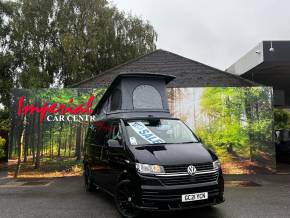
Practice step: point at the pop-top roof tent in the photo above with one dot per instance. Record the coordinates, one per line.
(135, 95)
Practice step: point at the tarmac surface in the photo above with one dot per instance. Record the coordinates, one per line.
(65, 197)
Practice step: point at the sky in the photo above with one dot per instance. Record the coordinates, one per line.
(216, 33)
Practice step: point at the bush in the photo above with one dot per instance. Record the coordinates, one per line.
(2, 150)
(281, 119)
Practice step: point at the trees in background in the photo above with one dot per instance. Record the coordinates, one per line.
(48, 43)
(2, 148)
(6, 68)
(34, 142)
(236, 120)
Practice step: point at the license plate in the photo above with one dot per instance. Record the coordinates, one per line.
(194, 197)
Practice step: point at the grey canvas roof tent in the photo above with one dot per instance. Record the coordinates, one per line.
(135, 95)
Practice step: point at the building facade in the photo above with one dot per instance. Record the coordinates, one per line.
(268, 63)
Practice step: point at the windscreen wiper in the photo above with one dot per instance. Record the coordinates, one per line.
(164, 143)
(188, 142)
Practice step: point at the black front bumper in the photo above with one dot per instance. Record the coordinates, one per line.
(164, 198)
(174, 206)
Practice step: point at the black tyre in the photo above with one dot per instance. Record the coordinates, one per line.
(89, 182)
(124, 200)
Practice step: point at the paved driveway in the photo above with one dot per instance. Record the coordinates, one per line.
(66, 198)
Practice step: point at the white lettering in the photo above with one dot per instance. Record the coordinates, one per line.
(48, 118)
(145, 133)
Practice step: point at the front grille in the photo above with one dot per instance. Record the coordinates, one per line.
(187, 179)
(175, 195)
(183, 168)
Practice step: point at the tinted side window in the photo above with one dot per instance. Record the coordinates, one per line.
(116, 132)
(99, 133)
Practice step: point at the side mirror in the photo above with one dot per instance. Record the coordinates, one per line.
(112, 143)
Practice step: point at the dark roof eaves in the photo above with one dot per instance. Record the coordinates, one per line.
(213, 68)
(113, 68)
(243, 80)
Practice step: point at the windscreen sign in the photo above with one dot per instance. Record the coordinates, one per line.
(144, 133)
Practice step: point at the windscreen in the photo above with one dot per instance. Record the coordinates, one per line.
(158, 131)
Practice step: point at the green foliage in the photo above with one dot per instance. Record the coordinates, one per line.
(6, 71)
(2, 143)
(281, 119)
(59, 42)
(4, 120)
(55, 134)
(71, 40)
(239, 119)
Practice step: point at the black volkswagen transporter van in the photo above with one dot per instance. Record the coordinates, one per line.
(146, 159)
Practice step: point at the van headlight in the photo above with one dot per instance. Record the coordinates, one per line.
(216, 164)
(149, 169)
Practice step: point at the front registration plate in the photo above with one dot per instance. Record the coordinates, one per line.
(194, 197)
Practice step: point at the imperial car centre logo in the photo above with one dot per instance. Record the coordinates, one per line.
(58, 112)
